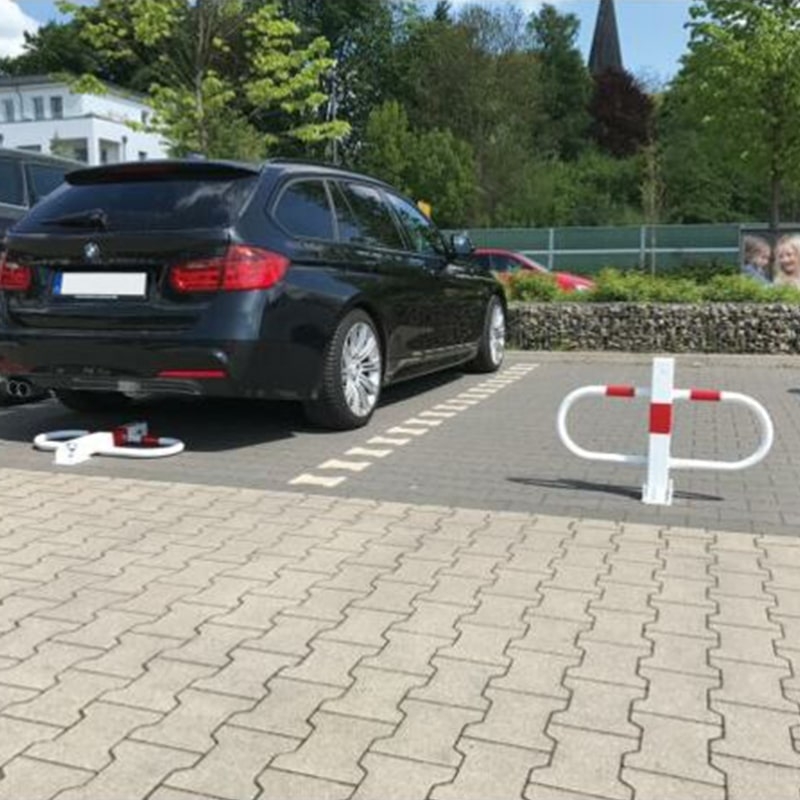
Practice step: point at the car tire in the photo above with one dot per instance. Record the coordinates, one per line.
(92, 402)
(352, 372)
(491, 349)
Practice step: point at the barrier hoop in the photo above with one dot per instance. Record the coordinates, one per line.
(658, 488)
(133, 440)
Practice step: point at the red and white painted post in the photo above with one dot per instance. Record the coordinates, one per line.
(658, 489)
(662, 393)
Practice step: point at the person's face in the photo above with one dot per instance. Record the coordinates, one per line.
(761, 258)
(788, 260)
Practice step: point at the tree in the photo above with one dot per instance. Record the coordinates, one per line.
(621, 113)
(742, 74)
(223, 71)
(361, 34)
(565, 84)
(433, 165)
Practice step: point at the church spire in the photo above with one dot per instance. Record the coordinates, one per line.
(605, 53)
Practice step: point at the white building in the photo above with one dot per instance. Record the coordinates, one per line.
(40, 114)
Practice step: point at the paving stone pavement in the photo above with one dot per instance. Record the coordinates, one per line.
(173, 641)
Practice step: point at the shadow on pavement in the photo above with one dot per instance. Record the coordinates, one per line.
(210, 424)
(605, 488)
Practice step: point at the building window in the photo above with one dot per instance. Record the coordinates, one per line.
(38, 107)
(142, 155)
(57, 107)
(8, 110)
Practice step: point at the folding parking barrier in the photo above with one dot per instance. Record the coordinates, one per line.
(127, 441)
(659, 487)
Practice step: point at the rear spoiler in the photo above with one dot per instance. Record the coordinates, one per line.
(161, 170)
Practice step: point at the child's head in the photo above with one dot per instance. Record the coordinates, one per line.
(788, 254)
(756, 251)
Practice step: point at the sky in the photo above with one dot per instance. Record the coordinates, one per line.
(652, 32)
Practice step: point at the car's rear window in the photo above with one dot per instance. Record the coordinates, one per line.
(164, 203)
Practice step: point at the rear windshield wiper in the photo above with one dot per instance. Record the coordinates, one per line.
(93, 218)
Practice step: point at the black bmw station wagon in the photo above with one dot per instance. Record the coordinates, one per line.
(290, 280)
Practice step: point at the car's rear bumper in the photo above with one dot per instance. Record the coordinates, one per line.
(160, 366)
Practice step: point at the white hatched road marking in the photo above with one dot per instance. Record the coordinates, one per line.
(350, 466)
(438, 414)
(387, 440)
(368, 452)
(307, 479)
(410, 431)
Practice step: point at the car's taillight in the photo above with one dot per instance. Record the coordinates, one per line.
(241, 268)
(14, 277)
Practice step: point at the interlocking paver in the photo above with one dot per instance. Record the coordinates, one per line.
(407, 652)
(376, 694)
(655, 786)
(21, 642)
(255, 611)
(751, 645)
(391, 596)
(758, 734)
(536, 672)
(516, 719)
(128, 658)
(490, 771)
(428, 733)
(676, 694)
(230, 769)
(484, 645)
(276, 783)
(40, 670)
(88, 744)
(136, 770)
(63, 703)
(334, 748)
(391, 778)
(247, 673)
(748, 779)
(290, 635)
(610, 663)
(675, 747)
(754, 685)
(103, 631)
(37, 780)
(158, 688)
(458, 683)
(325, 604)
(600, 707)
(682, 620)
(180, 622)
(16, 735)
(685, 654)
(288, 707)
(190, 725)
(583, 762)
(329, 662)
(497, 611)
(14, 609)
(433, 619)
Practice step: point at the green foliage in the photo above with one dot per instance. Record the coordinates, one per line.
(433, 166)
(225, 73)
(565, 85)
(533, 287)
(742, 75)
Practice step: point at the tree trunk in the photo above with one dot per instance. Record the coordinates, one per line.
(775, 178)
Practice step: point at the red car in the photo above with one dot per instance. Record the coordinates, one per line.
(506, 262)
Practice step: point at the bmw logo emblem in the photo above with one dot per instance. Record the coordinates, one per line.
(92, 251)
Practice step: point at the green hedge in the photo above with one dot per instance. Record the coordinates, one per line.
(613, 286)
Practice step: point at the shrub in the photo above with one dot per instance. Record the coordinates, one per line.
(613, 286)
(703, 271)
(531, 287)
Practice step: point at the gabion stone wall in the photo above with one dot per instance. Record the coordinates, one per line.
(646, 327)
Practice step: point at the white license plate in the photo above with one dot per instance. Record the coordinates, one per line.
(101, 284)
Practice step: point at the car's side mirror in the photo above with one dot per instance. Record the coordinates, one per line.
(461, 244)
